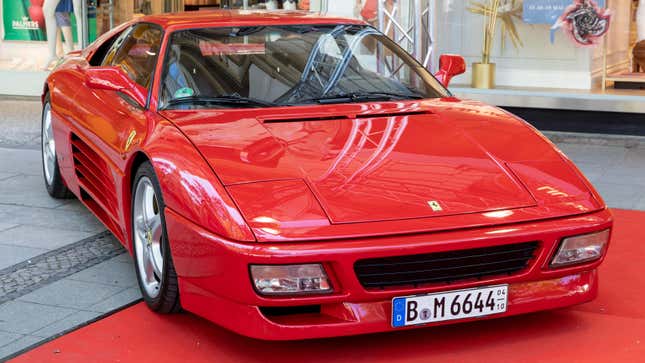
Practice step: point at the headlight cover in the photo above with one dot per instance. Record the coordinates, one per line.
(582, 248)
(290, 279)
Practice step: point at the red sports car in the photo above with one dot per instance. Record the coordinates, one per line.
(289, 176)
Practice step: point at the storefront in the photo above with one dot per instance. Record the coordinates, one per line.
(28, 52)
(571, 54)
(582, 54)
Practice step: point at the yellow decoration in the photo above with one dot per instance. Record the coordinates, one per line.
(483, 75)
(506, 13)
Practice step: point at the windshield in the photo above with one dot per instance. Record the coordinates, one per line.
(265, 66)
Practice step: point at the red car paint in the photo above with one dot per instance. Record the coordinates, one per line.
(329, 201)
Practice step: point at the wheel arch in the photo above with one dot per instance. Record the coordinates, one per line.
(135, 161)
(45, 92)
(138, 158)
(189, 186)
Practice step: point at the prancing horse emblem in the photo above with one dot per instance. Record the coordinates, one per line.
(130, 139)
(435, 206)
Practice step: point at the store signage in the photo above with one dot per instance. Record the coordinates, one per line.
(547, 11)
(24, 24)
(24, 20)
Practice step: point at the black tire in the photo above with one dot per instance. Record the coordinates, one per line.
(167, 300)
(56, 187)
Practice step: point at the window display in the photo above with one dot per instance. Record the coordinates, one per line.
(34, 20)
(584, 45)
(632, 75)
(562, 45)
(57, 21)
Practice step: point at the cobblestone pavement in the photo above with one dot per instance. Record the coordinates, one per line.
(60, 269)
(27, 276)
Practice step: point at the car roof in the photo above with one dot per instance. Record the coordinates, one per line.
(209, 18)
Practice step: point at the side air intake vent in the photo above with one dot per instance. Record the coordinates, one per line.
(94, 179)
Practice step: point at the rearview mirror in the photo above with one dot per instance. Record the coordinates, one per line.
(112, 78)
(450, 65)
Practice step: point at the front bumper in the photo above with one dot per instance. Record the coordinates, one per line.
(214, 278)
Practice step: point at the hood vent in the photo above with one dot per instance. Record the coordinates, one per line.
(394, 114)
(305, 119)
(343, 117)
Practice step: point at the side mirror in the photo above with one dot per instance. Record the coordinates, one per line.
(112, 78)
(450, 65)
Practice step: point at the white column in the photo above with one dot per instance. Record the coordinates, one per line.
(640, 20)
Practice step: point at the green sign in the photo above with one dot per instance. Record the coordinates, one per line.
(19, 24)
(24, 20)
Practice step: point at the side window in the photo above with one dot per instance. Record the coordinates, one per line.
(138, 52)
(100, 53)
(114, 47)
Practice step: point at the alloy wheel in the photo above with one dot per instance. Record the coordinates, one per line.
(48, 145)
(148, 237)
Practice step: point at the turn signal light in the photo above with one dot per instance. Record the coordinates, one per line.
(579, 249)
(290, 279)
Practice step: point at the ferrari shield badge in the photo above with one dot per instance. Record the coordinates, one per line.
(435, 206)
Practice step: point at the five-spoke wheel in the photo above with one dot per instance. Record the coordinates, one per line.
(154, 266)
(148, 236)
(48, 145)
(53, 180)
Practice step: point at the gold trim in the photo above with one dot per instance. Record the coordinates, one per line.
(131, 137)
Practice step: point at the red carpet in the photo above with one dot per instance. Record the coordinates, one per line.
(610, 329)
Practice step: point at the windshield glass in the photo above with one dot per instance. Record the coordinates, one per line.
(265, 66)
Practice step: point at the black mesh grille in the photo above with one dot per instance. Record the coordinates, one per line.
(445, 267)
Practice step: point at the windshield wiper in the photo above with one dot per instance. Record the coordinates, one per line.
(227, 100)
(361, 97)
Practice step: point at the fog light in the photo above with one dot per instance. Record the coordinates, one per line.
(578, 249)
(290, 279)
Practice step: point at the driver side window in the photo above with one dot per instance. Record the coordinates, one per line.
(137, 55)
(114, 47)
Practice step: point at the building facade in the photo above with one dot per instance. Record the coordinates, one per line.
(575, 54)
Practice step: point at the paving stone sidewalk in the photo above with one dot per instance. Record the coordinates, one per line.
(59, 268)
(46, 285)
(614, 165)
(20, 121)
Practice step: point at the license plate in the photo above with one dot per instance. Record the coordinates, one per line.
(449, 305)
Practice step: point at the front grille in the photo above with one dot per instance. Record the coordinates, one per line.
(445, 267)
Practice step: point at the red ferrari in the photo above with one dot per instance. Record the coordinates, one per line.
(289, 176)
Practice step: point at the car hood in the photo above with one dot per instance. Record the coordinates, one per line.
(349, 164)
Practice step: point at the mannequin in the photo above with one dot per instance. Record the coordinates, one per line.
(64, 26)
(49, 12)
(640, 20)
